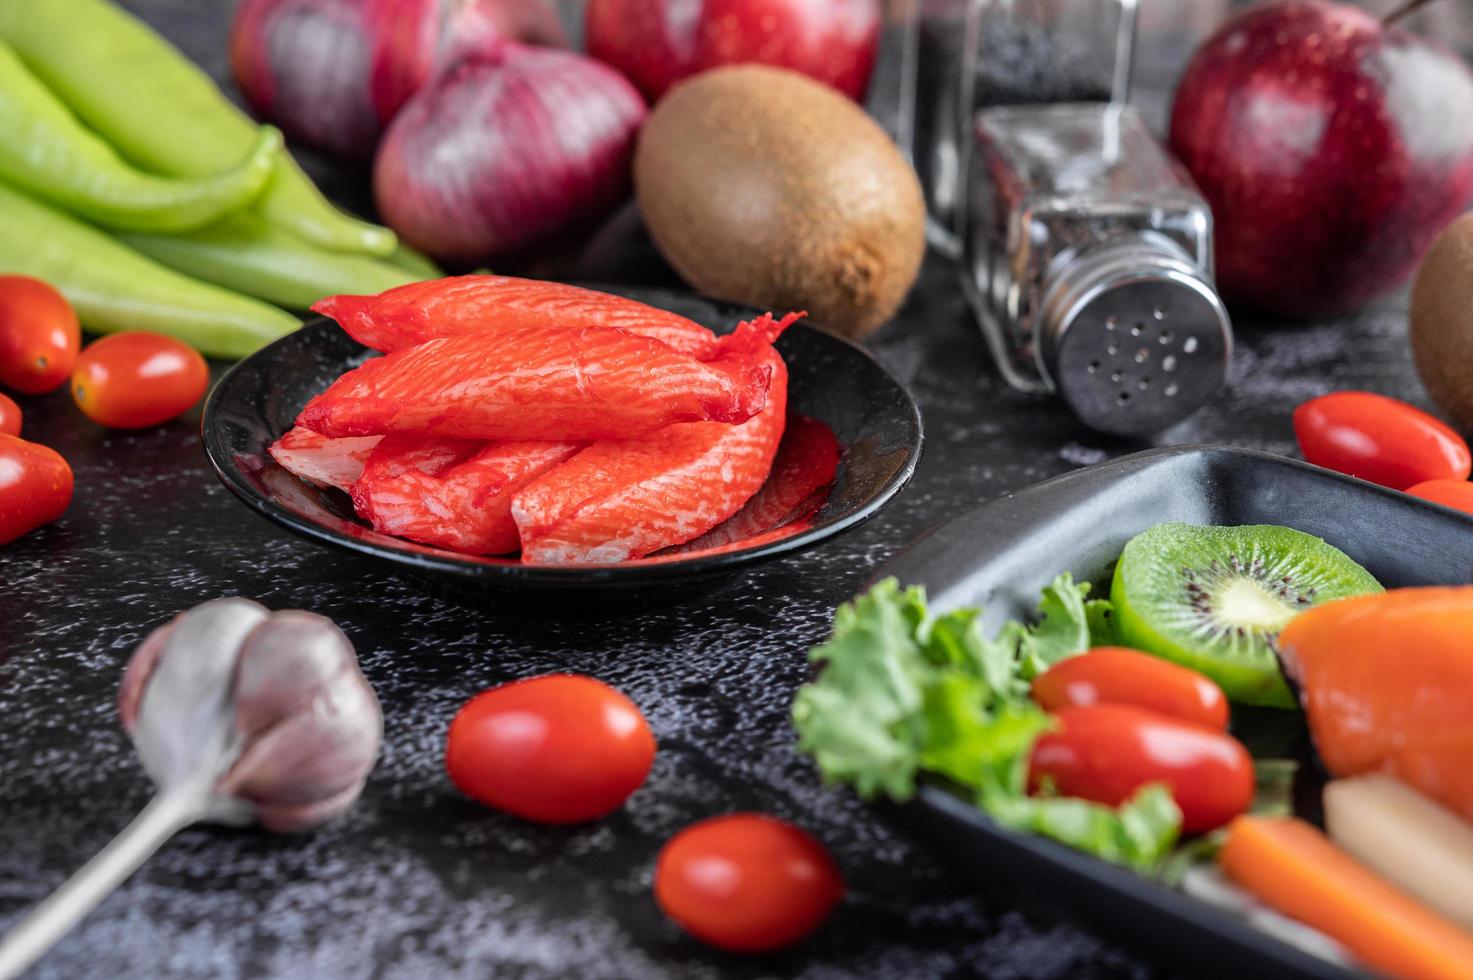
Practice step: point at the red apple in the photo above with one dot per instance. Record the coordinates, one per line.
(656, 43)
(1332, 148)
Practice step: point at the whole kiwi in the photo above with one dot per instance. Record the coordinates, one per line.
(764, 187)
(1442, 321)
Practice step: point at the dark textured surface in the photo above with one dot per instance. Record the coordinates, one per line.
(418, 882)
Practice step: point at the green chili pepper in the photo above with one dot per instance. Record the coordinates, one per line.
(249, 254)
(163, 113)
(114, 288)
(415, 261)
(51, 155)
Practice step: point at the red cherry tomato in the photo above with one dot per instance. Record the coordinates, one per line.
(1379, 439)
(1457, 494)
(136, 380)
(747, 883)
(1105, 752)
(1117, 675)
(35, 487)
(39, 336)
(555, 749)
(10, 417)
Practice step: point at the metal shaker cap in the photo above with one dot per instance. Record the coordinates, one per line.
(1134, 337)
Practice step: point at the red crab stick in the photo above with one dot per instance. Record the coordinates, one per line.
(320, 460)
(451, 493)
(546, 384)
(410, 315)
(802, 475)
(619, 500)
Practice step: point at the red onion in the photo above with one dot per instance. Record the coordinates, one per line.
(506, 153)
(332, 73)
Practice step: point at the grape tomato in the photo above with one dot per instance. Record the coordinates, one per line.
(1379, 439)
(39, 336)
(136, 380)
(1118, 675)
(10, 417)
(555, 749)
(1106, 752)
(747, 883)
(35, 487)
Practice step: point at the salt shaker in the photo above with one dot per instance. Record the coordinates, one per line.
(1088, 263)
(966, 55)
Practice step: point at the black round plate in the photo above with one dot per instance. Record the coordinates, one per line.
(874, 417)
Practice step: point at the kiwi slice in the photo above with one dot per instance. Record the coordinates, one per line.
(1214, 598)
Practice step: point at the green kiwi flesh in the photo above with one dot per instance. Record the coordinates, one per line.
(1214, 598)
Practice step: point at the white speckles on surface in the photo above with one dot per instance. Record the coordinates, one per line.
(418, 882)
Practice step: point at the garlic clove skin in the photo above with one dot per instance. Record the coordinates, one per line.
(253, 715)
(295, 818)
(139, 670)
(183, 726)
(310, 723)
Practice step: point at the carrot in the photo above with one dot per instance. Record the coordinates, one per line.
(1294, 868)
(1387, 685)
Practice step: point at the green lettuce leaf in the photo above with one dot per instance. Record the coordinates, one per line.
(1138, 834)
(1069, 624)
(980, 749)
(902, 693)
(1173, 868)
(1273, 793)
(862, 721)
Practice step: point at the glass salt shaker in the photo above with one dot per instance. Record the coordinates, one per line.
(965, 55)
(1088, 262)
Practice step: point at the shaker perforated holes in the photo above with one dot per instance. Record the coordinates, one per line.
(1130, 370)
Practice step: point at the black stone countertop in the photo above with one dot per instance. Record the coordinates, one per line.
(417, 881)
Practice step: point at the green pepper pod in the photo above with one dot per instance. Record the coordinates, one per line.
(52, 156)
(163, 113)
(250, 255)
(114, 288)
(414, 261)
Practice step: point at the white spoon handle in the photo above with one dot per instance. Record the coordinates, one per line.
(165, 815)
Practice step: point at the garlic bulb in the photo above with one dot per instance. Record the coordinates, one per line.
(265, 714)
(239, 714)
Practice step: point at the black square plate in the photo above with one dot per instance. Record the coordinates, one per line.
(1001, 556)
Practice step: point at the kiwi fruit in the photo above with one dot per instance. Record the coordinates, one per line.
(1214, 599)
(1442, 321)
(762, 186)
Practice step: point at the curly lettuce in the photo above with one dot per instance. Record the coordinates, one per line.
(904, 693)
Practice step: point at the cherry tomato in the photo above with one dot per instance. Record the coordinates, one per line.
(35, 487)
(555, 749)
(1457, 494)
(39, 336)
(1105, 752)
(1117, 675)
(136, 380)
(10, 417)
(1379, 439)
(746, 882)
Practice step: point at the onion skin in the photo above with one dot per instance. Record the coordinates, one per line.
(505, 154)
(333, 73)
